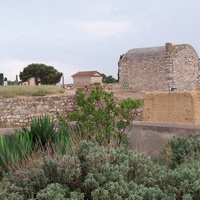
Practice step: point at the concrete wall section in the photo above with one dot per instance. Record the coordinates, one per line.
(150, 138)
(147, 137)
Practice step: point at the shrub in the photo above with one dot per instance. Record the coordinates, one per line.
(52, 191)
(181, 149)
(95, 172)
(100, 118)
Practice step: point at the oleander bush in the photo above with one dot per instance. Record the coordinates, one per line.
(100, 118)
(95, 172)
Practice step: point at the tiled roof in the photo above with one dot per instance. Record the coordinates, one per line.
(85, 73)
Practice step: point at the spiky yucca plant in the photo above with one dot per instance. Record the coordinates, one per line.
(14, 149)
(42, 133)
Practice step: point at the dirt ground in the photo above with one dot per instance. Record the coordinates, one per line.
(119, 94)
(122, 94)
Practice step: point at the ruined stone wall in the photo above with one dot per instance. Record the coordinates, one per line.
(153, 73)
(16, 112)
(179, 106)
(185, 67)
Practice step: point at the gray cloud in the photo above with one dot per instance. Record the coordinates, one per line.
(90, 34)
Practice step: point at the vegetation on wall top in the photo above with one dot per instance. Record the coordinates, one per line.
(14, 90)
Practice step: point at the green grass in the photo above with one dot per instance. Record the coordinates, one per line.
(14, 149)
(14, 91)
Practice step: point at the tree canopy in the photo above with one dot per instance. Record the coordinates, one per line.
(46, 75)
(109, 79)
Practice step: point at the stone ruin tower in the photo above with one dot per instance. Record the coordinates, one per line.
(161, 68)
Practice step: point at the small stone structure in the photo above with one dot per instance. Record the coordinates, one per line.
(176, 106)
(85, 78)
(16, 112)
(30, 82)
(163, 68)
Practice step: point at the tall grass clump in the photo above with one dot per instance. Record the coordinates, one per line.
(42, 135)
(14, 90)
(14, 149)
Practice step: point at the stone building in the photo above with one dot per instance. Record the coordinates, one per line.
(30, 82)
(85, 78)
(164, 68)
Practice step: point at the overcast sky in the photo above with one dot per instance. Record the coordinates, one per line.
(82, 35)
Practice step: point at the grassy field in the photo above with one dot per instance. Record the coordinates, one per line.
(14, 91)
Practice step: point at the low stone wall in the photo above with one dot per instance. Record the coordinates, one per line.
(16, 112)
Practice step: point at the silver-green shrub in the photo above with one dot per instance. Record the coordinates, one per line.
(96, 172)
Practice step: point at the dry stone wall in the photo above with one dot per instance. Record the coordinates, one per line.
(185, 67)
(16, 112)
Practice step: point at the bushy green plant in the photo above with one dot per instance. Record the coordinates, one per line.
(52, 191)
(182, 149)
(183, 181)
(100, 118)
(95, 172)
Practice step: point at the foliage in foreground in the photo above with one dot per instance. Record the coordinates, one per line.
(16, 148)
(96, 172)
(182, 150)
(100, 118)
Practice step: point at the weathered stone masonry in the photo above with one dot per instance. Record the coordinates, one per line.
(160, 68)
(16, 112)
